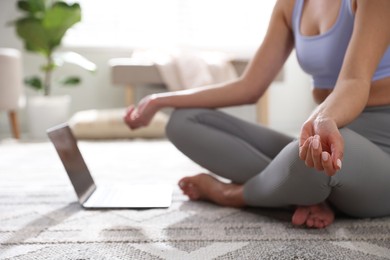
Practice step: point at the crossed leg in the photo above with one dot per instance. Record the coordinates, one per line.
(206, 187)
(239, 151)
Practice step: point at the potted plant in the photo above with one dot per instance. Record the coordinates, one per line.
(41, 27)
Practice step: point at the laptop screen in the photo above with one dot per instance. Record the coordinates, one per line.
(70, 155)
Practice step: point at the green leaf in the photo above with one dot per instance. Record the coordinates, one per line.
(71, 81)
(42, 27)
(34, 8)
(33, 34)
(74, 58)
(42, 31)
(35, 82)
(23, 5)
(58, 19)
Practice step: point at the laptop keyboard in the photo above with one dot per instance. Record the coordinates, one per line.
(106, 196)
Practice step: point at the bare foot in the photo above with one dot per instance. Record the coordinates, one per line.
(206, 187)
(315, 216)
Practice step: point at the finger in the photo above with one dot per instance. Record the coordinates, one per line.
(337, 163)
(129, 108)
(131, 118)
(337, 148)
(303, 138)
(309, 158)
(128, 111)
(306, 132)
(316, 151)
(128, 114)
(327, 164)
(303, 149)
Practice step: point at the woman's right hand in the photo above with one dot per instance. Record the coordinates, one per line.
(142, 114)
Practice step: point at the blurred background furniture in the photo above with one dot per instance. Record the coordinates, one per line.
(11, 86)
(132, 73)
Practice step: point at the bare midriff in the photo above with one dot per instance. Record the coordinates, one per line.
(379, 93)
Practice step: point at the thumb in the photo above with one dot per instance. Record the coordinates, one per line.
(128, 112)
(306, 132)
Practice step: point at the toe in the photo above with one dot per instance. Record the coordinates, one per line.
(318, 223)
(182, 183)
(300, 215)
(310, 222)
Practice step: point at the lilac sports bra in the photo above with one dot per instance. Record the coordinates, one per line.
(322, 55)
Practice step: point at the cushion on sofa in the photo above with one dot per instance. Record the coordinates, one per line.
(108, 124)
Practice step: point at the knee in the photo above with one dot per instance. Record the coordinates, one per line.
(178, 123)
(175, 121)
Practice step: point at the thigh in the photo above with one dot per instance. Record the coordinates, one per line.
(374, 124)
(362, 187)
(226, 145)
(287, 181)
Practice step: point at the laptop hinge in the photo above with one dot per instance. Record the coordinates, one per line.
(85, 196)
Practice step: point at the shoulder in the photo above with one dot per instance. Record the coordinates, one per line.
(284, 10)
(373, 15)
(355, 4)
(370, 6)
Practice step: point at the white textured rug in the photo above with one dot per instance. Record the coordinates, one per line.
(40, 219)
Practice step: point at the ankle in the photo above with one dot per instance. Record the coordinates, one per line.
(233, 195)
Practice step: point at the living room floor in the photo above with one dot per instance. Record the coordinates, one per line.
(41, 218)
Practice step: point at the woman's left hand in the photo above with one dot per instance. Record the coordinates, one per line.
(321, 145)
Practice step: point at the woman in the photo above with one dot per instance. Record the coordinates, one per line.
(342, 158)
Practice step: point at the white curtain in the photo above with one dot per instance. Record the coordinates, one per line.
(232, 25)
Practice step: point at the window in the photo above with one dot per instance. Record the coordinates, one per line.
(227, 25)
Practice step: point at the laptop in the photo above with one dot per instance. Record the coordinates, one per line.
(150, 195)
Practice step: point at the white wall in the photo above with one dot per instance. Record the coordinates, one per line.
(290, 101)
(96, 90)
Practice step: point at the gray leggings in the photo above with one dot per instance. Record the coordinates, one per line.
(267, 162)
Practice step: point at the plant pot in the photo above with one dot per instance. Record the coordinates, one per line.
(44, 112)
